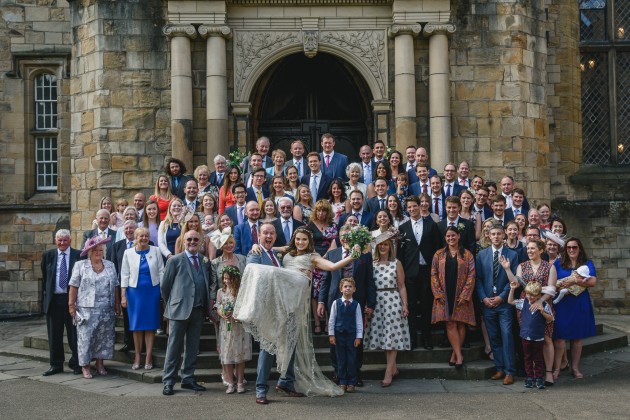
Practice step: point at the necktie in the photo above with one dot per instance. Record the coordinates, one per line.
(260, 200)
(348, 269)
(495, 269)
(517, 212)
(327, 160)
(425, 189)
(287, 232)
(452, 224)
(298, 164)
(448, 190)
(347, 302)
(382, 200)
(416, 231)
(436, 208)
(462, 182)
(367, 174)
(254, 234)
(129, 244)
(63, 273)
(195, 263)
(273, 259)
(358, 216)
(220, 178)
(176, 182)
(240, 215)
(314, 188)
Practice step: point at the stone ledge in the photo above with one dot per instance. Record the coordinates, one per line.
(35, 207)
(600, 174)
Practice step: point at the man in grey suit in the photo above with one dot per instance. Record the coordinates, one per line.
(186, 293)
(56, 268)
(267, 235)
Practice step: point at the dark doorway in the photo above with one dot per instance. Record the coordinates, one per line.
(303, 98)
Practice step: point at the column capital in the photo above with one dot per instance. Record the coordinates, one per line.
(207, 31)
(173, 30)
(241, 108)
(444, 28)
(396, 29)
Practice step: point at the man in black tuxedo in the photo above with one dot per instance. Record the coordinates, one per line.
(218, 175)
(317, 181)
(362, 271)
(285, 224)
(420, 240)
(467, 230)
(102, 229)
(365, 217)
(56, 269)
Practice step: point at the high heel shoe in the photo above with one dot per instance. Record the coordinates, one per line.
(548, 383)
(451, 363)
(385, 384)
(396, 374)
(101, 370)
(317, 330)
(566, 366)
(87, 374)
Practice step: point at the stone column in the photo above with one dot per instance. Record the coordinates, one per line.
(404, 83)
(439, 93)
(241, 112)
(181, 91)
(216, 90)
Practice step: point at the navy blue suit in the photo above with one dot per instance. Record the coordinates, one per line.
(487, 213)
(411, 173)
(251, 194)
(304, 166)
(232, 213)
(324, 184)
(498, 320)
(372, 168)
(467, 236)
(214, 179)
(455, 190)
(416, 188)
(442, 207)
(367, 218)
(243, 238)
(336, 167)
(373, 205)
(279, 225)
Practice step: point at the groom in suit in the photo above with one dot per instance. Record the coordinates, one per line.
(493, 288)
(420, 240)
(362, 271)
(186, 294)
(56, 268)
(267, 234)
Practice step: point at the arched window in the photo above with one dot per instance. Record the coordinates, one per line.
(45, 132)
(605, 76)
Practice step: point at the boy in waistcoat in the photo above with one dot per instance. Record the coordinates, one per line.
(532, 332)
(345, 330)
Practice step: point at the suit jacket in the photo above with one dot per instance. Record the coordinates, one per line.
(214, 179)
(363, 275)
(467, 235)
(305, 169)
(278, 224)
(178, 286)
(487, 213)
(251, 194)
(49, 273)
(267, 163)
(372, 168)
(442, 213)
(484, 270)
(324, 183)
(232, 212)
(116, 253)
(337, 166)
(409, 249)
(367, 218)
(179, 190)
(373, 205)
(243, 238)
(197, 204)
(455, 190)
(130, 267)
(416, 188)
(94, 232)
(263, 258)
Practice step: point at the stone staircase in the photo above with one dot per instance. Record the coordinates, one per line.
(418, 363)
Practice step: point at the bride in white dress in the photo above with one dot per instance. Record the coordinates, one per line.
(273, 305)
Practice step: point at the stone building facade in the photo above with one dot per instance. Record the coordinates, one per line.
(94, 94)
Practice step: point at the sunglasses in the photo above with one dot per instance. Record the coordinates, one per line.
(192, 239)
(573, 247)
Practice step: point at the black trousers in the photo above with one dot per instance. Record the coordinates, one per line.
(420, 303)
(58, 318)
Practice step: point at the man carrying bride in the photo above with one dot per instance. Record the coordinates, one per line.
(273, 305)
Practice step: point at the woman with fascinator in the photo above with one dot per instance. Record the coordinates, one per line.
(273, 305)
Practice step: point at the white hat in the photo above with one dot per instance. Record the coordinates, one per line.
(584, 271)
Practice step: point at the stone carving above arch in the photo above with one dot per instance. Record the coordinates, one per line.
(254, 52)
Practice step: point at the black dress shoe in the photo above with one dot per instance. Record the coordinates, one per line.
(168, 390)
(335, 379)
(194, 386)
(124, 348)
(77, 370)
(53, 371)
(359, 381)
(262, 400)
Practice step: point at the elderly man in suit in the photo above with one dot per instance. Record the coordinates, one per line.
(420, 240)
(298, 160)
(285, 224)
(286, 384)
(334, 163)
(262, 148)
(493, 288)
(361, 270)
(246, 234)
(218, 175)
(56, 268)
(185, 289)
(102, 229)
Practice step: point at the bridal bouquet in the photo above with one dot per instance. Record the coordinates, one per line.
(227, 309)
(359, 236)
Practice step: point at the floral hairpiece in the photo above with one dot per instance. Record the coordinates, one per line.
(231, 270)
(304, 230)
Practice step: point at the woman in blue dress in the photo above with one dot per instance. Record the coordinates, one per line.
(575, 319)
(140, 275)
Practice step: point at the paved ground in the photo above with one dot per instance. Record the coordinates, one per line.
(24, 393)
